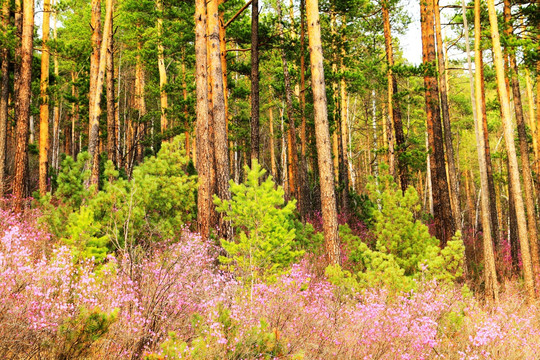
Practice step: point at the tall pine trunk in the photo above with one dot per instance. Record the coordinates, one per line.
(255, 79)
(508, 129)
(442, 212)
(322, 134)
(523, 143)
(161, 67)
(24, 94)
(449, 147)
(221, 150)
(93, 111)
(204, 156)
(44, 106)
(4, 97)
(490, 274)
(112, 141)
(394, 111)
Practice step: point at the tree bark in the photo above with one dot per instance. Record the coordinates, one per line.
(322, 133)
(394, 111)
(255, 79)
(490, 274)
(523, 145)
(112, 141)
(218, 112)
(204, 157)
(511, 151)
(44, 106)
(443, 219)
(449, 147)
(495, 228)
(161, 66)
(293, 176)
(24, 94)
(93, 112)
(4, 97)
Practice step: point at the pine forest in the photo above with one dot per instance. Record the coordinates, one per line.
(269, 179)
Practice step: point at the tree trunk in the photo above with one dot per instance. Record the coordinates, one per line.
(20, 186)
(75, 117)
(495, 228)
(218, 112)
(4, 97)
(204, 156)
(523, 145)
(44, 106)
(293, 176)
(449, 147)
(272, 146)
(511, 151)
(443, 219)
(255, 79)
(161, 67)
(112, 141)
(490, 274)
(93, 111)
(322, 133)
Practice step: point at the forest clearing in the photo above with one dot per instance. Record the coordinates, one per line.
(249, 179)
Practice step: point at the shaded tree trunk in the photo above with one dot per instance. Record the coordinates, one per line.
(443, 219)
(449, 147)
(4, 98)
(394, 111)
(112, 141)
(255, 79)
(322, 133)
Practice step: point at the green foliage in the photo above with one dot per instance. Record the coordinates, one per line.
(77, 335)
(156, 203)
(397, 231)
(307, 239)
(404, 250)
(447, 264)
(264, 245)
(69, 196)
(82, 235)
(258, 342)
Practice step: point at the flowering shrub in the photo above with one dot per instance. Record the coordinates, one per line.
(170, 302)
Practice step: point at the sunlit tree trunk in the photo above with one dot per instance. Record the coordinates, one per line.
(204, 156)
(4, 97)
(508, 129)
(322, 133)
(523, 144)
(161, 68)
(186, 109)
(93, 111)
(272, 146)
(44, 106)
(140, 101)
(24, 95)
(443, 219)
(490, 274)
(74, 117)
(449, 147)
